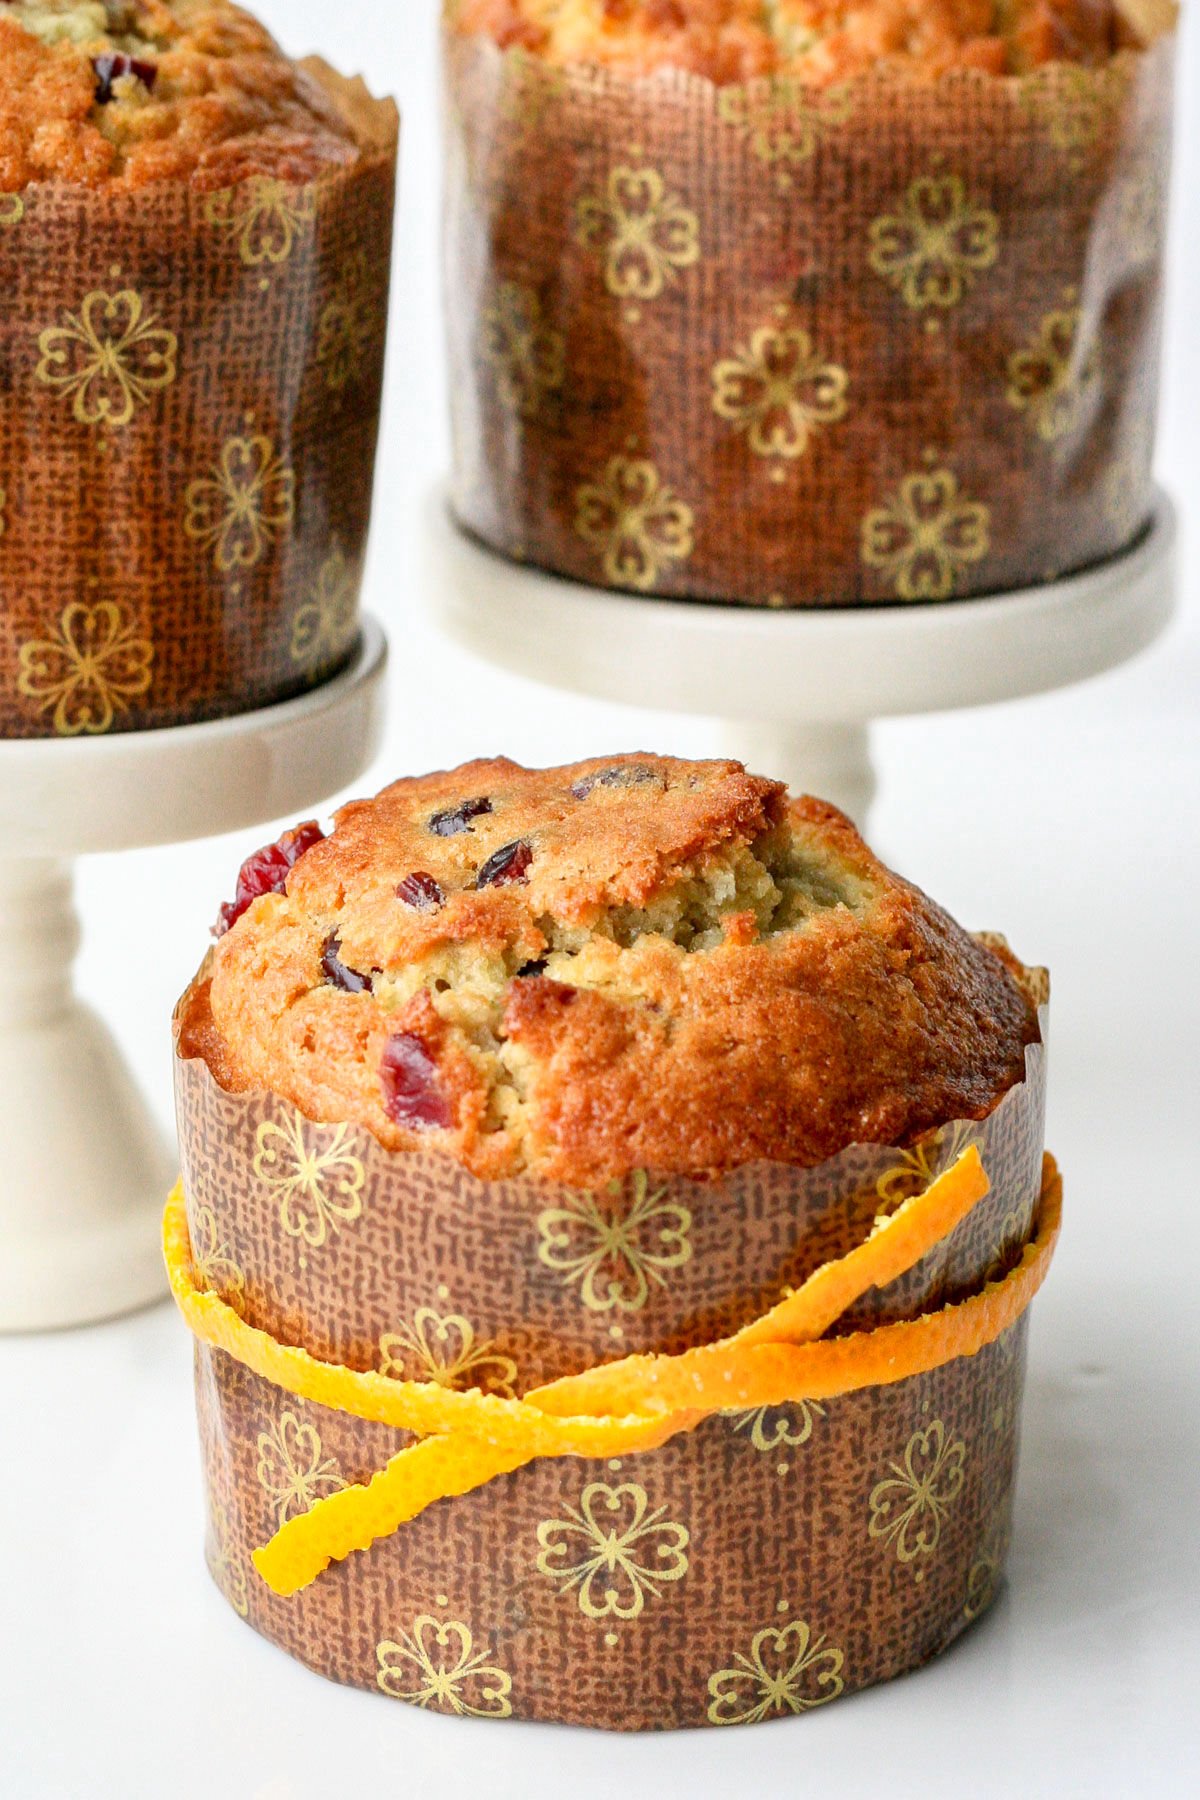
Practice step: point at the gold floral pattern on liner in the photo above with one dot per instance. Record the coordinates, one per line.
(1073, 103)
(636, 523)
(110, 357)
(787, 1670)
(223, 1563)
(349, 325)
(265, 217)
(291, 1469)
(1052, 379)
(644, 232)
(779, 391)
(325, 627)
(614, 1549)
(247, 499)
(528, 357)
(444, 1349)
(779, 1427)
(614, 1246)
(909, 1506)
(926, 535)
(89, 671)
(784, 119)
(932, 248)
(318, 1186)
(436, 1664)
(12, 209)
(214, 1267)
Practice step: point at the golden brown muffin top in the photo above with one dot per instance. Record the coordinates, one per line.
(137, 91)
(816, 41)
(628, 963)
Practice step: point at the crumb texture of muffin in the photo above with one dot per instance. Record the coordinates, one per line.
(132, 92)
(816, 41)
(634, 962)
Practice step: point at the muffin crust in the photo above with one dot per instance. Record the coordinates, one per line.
(687, 972)
(817, 41)
(131, 92)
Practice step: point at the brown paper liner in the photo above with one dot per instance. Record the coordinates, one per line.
(836, 1544)
(892, 341)
(190, 388)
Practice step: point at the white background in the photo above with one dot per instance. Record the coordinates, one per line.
(1072, 823)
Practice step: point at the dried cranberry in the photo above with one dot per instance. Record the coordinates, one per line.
(625, 775)
(337, 973)
(266, 872)
(509, 864)
(112, 67)
(408, 1076)
(458, 819)
(421, 892)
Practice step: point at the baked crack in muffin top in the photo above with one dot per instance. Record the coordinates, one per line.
(817, 41)
(630, 963)
(137, 91)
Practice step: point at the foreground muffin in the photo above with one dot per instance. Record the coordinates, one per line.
(195, 238)
(806, 304)
(523, 1074)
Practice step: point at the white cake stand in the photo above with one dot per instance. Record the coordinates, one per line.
(796, 691)
(85, 1169)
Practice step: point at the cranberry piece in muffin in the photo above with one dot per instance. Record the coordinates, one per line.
(266, 872)
(424, 893)
(509, 864)
(114, 67)
(337, 973)
(408, 1077)
(457, 819)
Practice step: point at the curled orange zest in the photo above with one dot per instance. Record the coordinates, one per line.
(635, 1404)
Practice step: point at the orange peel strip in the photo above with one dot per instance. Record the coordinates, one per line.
(471, 1438)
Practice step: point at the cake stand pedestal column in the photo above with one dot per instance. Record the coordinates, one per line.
(796, 692)
(85, 1166)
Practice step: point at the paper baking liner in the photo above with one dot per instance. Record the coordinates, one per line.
(892, 341)
(189, 404)
(762, 1564)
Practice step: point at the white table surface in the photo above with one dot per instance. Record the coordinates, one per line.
(1072, 822)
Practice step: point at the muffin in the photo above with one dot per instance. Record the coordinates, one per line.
(556, 1077)
(195, 246)
(802, 304)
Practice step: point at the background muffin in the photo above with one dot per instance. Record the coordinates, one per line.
(802, 305)
(195, 239)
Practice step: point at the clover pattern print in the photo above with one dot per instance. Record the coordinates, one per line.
(634, 522)
(90, 671)
(110, 358)
(909, 1506)
(436, 1664)
(613, 1550)
(615, 1245)
(785, 1670)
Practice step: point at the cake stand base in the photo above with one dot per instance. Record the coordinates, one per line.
(86, 1168)
(797, 691)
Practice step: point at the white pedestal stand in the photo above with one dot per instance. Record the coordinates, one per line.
(84, 1168)
(797, 691)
